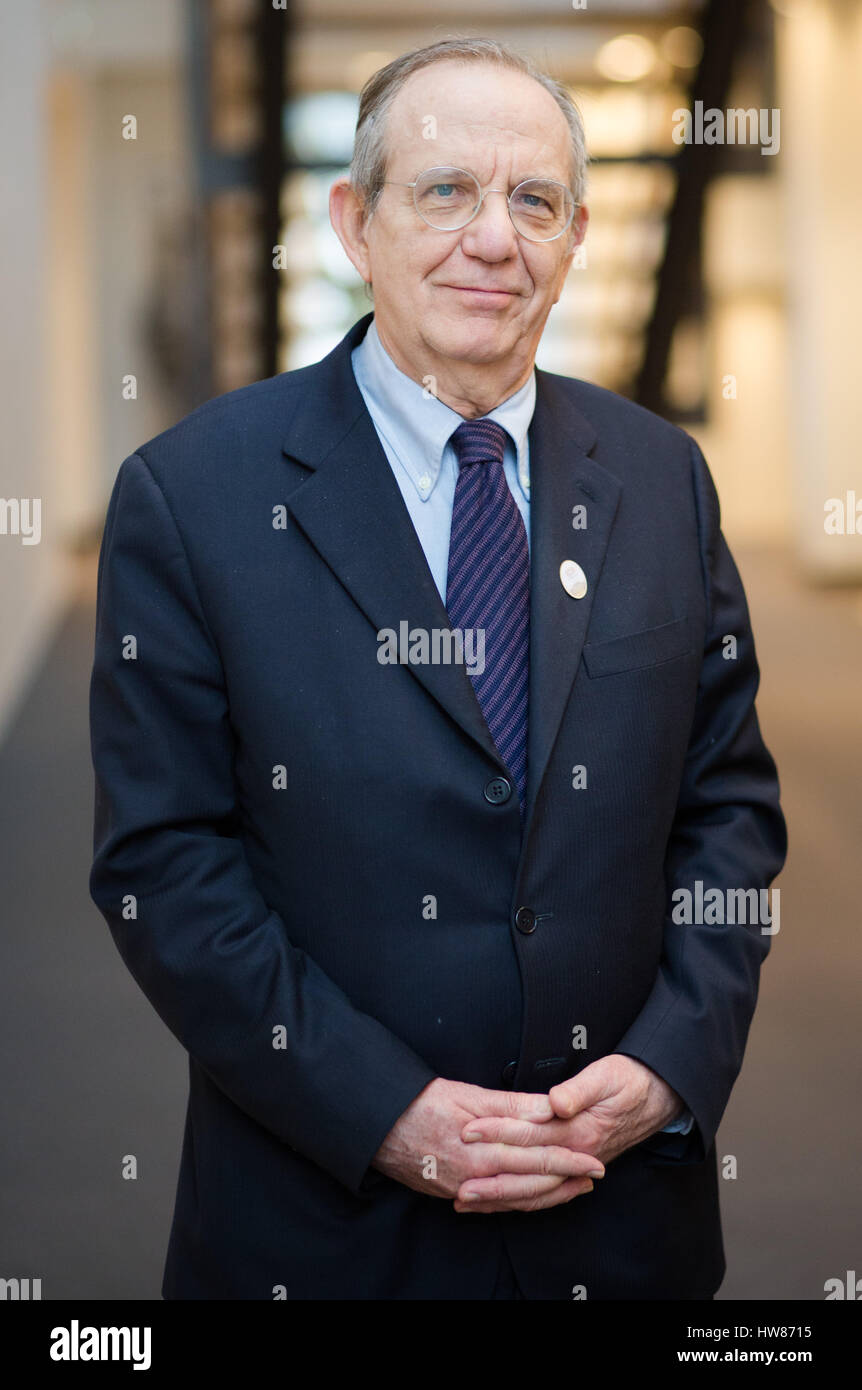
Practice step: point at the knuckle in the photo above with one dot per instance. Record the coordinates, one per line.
(515, 1102)
(482, 1165)
(592, 1134)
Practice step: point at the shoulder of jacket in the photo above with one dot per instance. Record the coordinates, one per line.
(251, 417)
(608, 410)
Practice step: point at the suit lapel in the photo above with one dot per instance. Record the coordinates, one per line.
(562, 476)
(351, 509)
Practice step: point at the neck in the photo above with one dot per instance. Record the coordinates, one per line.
(471, 389)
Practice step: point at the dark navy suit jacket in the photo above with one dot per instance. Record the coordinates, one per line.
(274, 808)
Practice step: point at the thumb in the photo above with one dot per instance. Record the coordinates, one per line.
(576, 1094)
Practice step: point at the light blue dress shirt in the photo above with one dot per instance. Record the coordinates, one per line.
(415, 428)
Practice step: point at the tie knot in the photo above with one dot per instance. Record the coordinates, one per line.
(479, 441)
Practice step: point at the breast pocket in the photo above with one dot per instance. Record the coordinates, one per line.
(652, 647)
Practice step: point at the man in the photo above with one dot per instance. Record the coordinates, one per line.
(415, 920)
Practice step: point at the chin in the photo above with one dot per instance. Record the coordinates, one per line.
(474, 340)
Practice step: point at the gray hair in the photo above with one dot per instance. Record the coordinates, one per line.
(368, 167)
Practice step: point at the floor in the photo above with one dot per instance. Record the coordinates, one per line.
(92, 1075)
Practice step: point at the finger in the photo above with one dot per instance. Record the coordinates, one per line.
(498, 1129)
(492, 1160)
(521, 1194)
(523, 1105)
(508, 1187)
(578, 1136)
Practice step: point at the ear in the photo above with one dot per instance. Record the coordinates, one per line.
(578, 232)
(347, 215)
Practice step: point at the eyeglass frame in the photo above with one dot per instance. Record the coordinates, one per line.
(454, 168)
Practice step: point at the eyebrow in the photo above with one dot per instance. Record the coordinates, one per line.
(544, 178)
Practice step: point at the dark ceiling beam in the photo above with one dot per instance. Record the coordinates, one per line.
(722, 31)
(273, 29)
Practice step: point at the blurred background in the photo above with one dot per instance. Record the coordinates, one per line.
(151, 158)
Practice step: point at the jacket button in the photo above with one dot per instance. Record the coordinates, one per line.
(498, 790)
(508, 1072)
(525, 920)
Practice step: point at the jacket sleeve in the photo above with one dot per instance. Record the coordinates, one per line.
(172, 880)
(728, 833)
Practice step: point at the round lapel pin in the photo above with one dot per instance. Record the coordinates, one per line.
(573, 579)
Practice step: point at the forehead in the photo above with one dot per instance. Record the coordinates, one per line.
(479, 114)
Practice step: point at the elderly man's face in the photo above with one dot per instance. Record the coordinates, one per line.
(482, 293)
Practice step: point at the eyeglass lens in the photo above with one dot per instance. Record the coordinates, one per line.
(447, 198)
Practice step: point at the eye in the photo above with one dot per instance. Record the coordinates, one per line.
(451, 191)
(537, 201)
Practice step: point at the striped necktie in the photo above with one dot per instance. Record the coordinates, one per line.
(488, 587)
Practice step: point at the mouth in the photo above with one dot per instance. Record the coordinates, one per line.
(482, 295)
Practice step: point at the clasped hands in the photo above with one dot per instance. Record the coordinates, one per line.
(517, 1151)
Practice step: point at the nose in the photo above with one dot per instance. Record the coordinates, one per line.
(491, 235)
